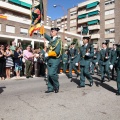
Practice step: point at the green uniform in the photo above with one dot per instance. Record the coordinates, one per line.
(53, 62)
(113, 61)
(85, 63)
(105, 56)
(65, 62)
(95, 60)
(118, 70)
(72, 58)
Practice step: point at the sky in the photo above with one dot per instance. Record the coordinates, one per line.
(57, 12)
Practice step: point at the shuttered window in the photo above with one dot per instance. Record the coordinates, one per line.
(10, 29)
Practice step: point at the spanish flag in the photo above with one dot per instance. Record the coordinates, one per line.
(37, 16)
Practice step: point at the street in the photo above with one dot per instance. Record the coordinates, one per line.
(25, 99)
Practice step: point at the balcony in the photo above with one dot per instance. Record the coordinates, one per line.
(109, 7)
(14, 8)
(73, 24)
(94, 36)
(80, 21)
(18, 19)
(109, 26)
(73, 17)
(94, 27)
(84, 11)
(111, 35)
(73, 9)
(109, 16)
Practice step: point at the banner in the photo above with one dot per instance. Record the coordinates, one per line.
(37, 17)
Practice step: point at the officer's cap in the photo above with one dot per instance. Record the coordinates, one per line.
(56, 29)
(114, 44)
(104, 43)
(88, 38)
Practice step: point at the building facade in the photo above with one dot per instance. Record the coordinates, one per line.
(96, 18)
(15, 22)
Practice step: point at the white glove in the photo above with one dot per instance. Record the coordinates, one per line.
(111, 67)
(76, 64)
(72, 57)
(46, 54)
(87, 54)
(96, 63)
(106, 57)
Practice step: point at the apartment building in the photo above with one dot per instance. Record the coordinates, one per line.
(15, 22)
(110, 20)
(100, 18)
(89, 19)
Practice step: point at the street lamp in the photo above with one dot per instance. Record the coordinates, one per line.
(64, 18)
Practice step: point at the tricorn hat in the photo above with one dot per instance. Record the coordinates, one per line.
(56, 29)
(86, 37)
(104, 43)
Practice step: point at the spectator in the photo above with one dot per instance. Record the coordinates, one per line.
(28, 56)
(2, 62)
(17, 61)
(9, 61)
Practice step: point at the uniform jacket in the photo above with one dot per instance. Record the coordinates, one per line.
(84, 59)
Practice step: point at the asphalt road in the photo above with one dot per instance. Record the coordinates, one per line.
(25, 99)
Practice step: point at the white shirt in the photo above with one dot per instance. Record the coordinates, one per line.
(54, 37)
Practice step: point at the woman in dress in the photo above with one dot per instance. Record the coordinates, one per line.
(9, 61)
(17, 61)
(2, 62)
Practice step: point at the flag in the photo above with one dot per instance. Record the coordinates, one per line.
(85, 30)
(37, 16)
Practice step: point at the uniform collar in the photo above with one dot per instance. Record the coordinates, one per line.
(54, 37)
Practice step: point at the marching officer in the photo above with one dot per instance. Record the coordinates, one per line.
(95, 60)
(72, 60)
(86, 53)
(105, 56)
(118, 70)
(53, 59)
(65, 60)
(113, 60)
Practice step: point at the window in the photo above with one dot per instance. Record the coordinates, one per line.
(109, 12)
(23, 31)
(73, 21)
(58, 22)
(109, 2)
(72, 28)
(109, 21)
(0, 27)
(10, 29)
(108, 31)
(73, 13)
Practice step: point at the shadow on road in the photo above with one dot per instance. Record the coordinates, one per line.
(1, 89)
(106, 86)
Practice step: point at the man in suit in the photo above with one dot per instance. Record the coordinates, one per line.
(86, 53)
(53, 59)
(105, 56)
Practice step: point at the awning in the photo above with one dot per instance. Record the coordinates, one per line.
(93, 22)
(25, 4)
(91, 5)
(15, 1)
(93, 13)
(21, 3)
(82, 16)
